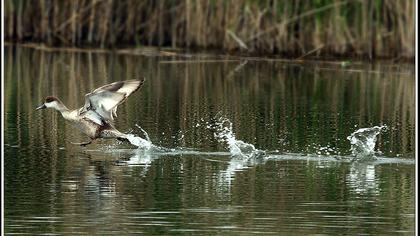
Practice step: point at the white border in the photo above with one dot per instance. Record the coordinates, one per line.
(417, 117)
(2, 117)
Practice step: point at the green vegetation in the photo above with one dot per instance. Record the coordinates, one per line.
(381, 28)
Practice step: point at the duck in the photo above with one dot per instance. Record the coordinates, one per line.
(95, 118)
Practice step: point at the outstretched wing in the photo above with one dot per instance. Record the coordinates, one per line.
(105, 100)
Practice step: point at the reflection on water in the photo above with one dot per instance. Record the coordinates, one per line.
(275, 106)
(362, 178)
(296, 113)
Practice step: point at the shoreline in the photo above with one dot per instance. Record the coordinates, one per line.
(180, 52)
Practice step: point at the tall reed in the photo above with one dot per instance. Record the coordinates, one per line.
(380, 28)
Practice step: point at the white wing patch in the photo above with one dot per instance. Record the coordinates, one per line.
(104, 100)
(93, 116)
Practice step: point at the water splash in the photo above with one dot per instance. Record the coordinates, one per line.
(144, 132)
(363, 142)
(141, 143)
(327, 150)
(243, 155)
(223, 132)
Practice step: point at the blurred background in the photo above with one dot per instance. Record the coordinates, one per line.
(323, 28)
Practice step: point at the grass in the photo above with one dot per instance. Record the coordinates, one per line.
(370, 29)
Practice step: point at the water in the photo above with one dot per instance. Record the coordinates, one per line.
(363, 142)
(225, 147)
(223, 132)
(139, 142)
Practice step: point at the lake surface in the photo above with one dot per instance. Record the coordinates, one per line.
(299, 114)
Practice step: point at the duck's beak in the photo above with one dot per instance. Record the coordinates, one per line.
(41, 107)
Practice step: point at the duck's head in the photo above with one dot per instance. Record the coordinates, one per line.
(50, 102)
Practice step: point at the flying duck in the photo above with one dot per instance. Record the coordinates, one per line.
(95, 118)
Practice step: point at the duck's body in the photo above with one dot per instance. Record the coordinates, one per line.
(95, 118)
(90, 128)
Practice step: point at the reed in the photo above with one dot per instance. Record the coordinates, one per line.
(380, 28)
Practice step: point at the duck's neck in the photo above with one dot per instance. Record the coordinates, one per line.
(61, 107)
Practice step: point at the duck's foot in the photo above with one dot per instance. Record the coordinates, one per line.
(82, 144)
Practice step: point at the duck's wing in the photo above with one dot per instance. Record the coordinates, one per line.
(104, 100)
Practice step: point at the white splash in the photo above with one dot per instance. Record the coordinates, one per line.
(363, 141)
(144, 132)
(141, 143)
(224, 133)
(244, 155)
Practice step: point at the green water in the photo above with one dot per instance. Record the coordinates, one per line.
(299, 114)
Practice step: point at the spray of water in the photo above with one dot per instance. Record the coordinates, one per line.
(141, 143)
(223, 132)
(363, 142)
(243, 155)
